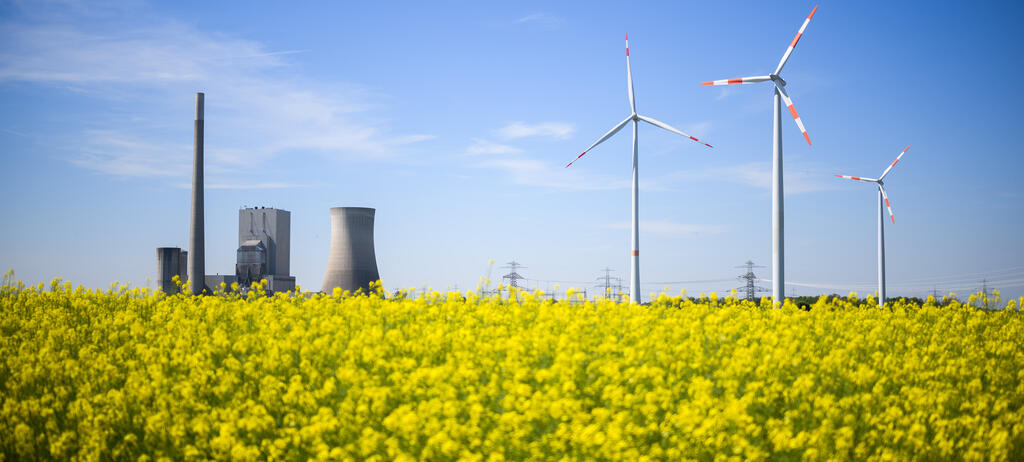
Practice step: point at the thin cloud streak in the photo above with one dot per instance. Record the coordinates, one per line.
(532, 172)
(483, 147)
(804, 179)
(555, 130)
(247, 186)
(543, 19)
(667, 228)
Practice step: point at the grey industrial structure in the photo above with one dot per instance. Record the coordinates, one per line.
(351, 263)
(264, 248)
(264, 244)
(170, 262)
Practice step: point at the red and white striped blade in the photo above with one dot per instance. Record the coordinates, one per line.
(658, 123)
(848, 177)
(601, 140)
(629, 78)
(741, 80)
(893, 164)
(792, 111)
(792, 45)
(887, 206)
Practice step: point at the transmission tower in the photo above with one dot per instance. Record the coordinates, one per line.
(606, 283)
(750, 288)
(513, 277)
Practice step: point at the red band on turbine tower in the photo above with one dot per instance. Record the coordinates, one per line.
(636, 253)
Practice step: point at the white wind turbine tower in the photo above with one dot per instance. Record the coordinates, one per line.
(881, 220)
(778, 227)
(634, 268)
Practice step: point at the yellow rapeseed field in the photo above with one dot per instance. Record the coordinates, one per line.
(129, 374)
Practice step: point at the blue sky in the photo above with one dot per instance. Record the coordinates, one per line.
(454, 120)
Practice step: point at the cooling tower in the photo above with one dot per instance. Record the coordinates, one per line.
(168, 265)
(351, 264)
(197, 241)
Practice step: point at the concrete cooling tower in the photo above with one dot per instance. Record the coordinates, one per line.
(351, 264)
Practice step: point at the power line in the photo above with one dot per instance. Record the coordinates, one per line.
(961, 277)
(704, 281)
(964, 285)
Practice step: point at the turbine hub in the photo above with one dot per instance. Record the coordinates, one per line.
(635, 117)
(778, 79)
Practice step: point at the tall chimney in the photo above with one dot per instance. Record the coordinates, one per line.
(197, 241)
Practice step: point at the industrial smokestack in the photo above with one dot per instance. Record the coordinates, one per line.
(351, 263)
(197, 241)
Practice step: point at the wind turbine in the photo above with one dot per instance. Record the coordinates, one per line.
(778, 225)
(881, 219)
(634, 268)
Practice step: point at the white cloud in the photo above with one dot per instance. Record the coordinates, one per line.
(116, 153)
(543, 19)
(666, 228)
(258, 105)
(532, 172)
(556, 130)
(256, 185)
(759, 174)
(799, 178)
(481, 146)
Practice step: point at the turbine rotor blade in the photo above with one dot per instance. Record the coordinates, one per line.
(658, 123)
(629, 78)
(893, 164)
(792, 45)
(792, 111)
(857, 178)
(741, 80)
(601, 140)
(887, 206)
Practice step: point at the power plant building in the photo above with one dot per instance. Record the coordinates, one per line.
(264, 248)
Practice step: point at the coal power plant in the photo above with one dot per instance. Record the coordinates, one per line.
(351, 263)
(264, 243)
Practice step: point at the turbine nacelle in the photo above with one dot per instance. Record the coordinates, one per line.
(775, 78)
